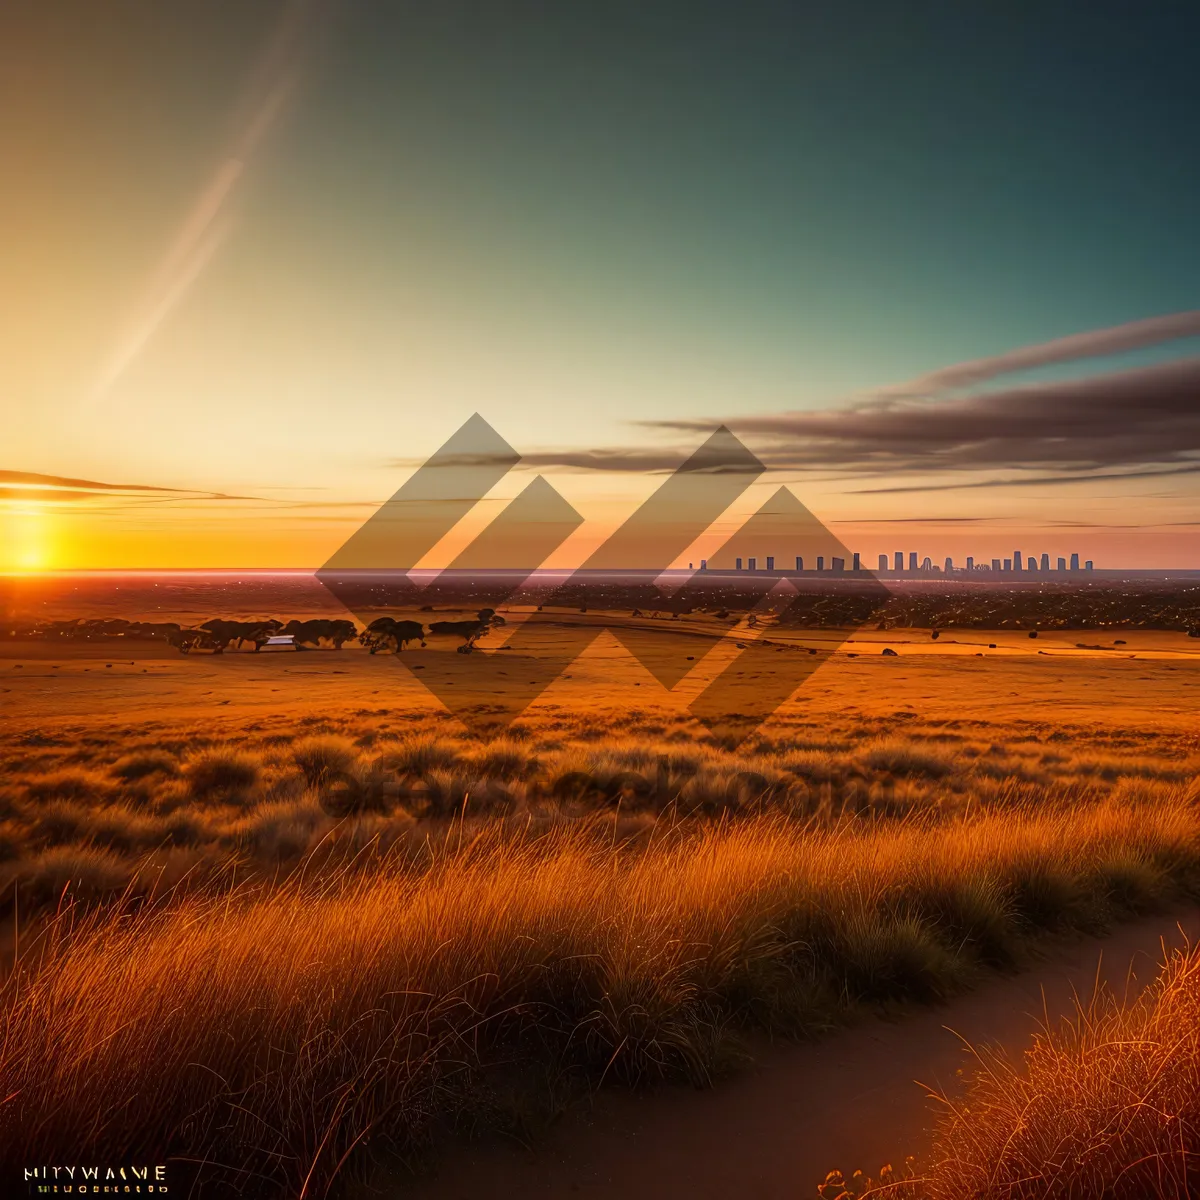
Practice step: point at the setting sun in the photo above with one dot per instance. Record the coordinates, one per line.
(27, 541)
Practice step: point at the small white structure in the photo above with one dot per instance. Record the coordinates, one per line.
(280, 642)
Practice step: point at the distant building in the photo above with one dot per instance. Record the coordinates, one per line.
(1087, 566)
(1016, 560)
(1045, 562)
(949, 567)
(1074, 562)
(799, 562)
(820, 562)
(883, 562)
(754, 564)
(704, 564)
(1008, 564)
(770, 562)
(995, 564)
(1062, 564)
(899, 560)
(970, 563)
(857, 562)
(837, 565)
(1031, 562)
(737, 564)
(912, 560)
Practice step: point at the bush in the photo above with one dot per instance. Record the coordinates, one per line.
(61, 821)
(323, 759)
(421, 754)
(223, 774)
(67, 785)
(1108, 1105)
(142, 763)
(908, 758)
(83, 873)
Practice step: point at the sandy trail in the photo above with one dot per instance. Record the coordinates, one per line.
(773, 1131)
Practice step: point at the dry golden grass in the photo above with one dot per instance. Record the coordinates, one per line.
(281, 946)
(1106, 1105)
(263, 798)
(279, 1031)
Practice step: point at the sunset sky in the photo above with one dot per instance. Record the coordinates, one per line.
(937, 265)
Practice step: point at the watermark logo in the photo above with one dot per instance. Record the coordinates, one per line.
(724, 665)
(78, 1179)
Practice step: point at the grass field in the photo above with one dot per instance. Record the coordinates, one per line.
(1104, 1104)
(276, 919)
(284, 948)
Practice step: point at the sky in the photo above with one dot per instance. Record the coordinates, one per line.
(937, 265)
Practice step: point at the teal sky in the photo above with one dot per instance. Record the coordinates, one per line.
(570, 218)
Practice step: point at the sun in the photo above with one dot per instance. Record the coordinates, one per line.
(27, 541)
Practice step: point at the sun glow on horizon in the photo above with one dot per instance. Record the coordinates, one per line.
(28, 540)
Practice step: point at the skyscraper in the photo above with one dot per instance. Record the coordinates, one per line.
(883, 562)
(770, 562)
(857, 561)
(970, 563)
(899, 560)
(1062, 564)
(753, 564)
(1016, 560)
(949, 565)
(799, 562)
(912, 560)
(820, 562)
(1074, 562)
(995, 564)
(738, 563)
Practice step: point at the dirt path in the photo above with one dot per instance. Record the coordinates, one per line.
(775, 1130)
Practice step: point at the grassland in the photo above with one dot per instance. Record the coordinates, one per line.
(290, 945)
(1106, 1104)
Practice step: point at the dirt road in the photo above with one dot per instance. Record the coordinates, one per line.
(773, 1132)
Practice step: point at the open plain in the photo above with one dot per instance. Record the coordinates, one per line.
(284, 920)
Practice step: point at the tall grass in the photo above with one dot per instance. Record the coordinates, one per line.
(1107, 1105)
(276, 1033)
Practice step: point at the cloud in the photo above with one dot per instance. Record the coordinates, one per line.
(32, 486)
(1096, 343)
(1027, 481)
(623, 459)
(1145, 418)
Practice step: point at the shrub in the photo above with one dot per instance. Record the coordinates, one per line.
(908, 758)
(61, 821)
(323, 759)
(84, 873)
(418, 754)
(277, 832)
(1107, 1105)
(142, 763)
(67, 785)
(223, 774)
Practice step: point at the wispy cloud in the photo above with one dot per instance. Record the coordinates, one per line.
(32, 486)
(1096, 343)
(1119, 424)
